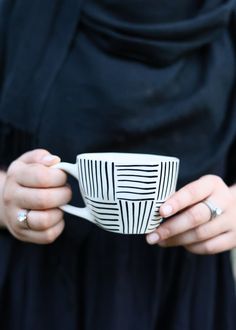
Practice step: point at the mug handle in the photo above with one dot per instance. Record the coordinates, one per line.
(82, 212)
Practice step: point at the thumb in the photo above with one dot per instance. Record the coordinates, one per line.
(41, 156)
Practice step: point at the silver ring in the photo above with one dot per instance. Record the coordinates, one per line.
(214, 210)
(22, 217)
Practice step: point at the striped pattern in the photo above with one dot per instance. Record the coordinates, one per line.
(124, 198)
(135, 216)
(97, 179)
(136, 182)
(168, 177)
(156, 219)
(106, 214)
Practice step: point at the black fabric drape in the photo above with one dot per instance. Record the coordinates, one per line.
(38, 37)
(33, 62)
(111, 75)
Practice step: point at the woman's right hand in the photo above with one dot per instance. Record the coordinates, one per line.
(31, 184)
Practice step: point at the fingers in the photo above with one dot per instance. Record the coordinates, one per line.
(43, 226)
(31, 184)
(32, 170)
(38, 176)
(199, 234)
(181, 223)
(190, 218)
(191, 194)
(43, 220)
(189, 222)
(37, 156)
(42, 237)
(221, 243)
(42, 199)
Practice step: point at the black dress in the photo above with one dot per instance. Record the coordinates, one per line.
(138, 76)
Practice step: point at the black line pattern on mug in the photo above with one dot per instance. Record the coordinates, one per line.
(156, 219)
(98, 202)
(136, 170)
(141, 188)
(124, 198)
(137, 176)
(106, 214)
(135, 216)
(97, 179)
(137, 165)
(168, 170)
(137, 181)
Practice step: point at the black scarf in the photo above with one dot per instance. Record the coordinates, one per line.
(31, 33)
(35, 37)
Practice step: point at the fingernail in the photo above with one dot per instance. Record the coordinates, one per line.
(152, 238)
(50, 158)
(166, 210)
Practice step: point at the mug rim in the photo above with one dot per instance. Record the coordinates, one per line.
(126, 157)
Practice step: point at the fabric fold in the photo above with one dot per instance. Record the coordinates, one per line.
(32, 65)
(156, 43)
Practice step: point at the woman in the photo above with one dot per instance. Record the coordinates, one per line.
(131, 76)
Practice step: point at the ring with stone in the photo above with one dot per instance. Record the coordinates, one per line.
(22, 218)
(214, 210)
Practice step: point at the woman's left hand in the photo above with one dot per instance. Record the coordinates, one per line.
(190, 223)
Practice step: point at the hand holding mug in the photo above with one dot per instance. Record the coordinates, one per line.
(201, 217)
(35, 189)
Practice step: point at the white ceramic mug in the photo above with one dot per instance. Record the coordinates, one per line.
(122, 191)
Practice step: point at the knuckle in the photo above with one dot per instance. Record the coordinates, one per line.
(209, 248)
(191, 191)
(215, 178)
(46, 220)
(42, 177)
(6, 197)
(177, 202)
(58, 175)
(164, 232)
(201, 233)
(59, 213)
(39, 153)
(219, 181)
(187, 193)
(42, 200)
(52, 233)
(50, 236)
(195, 216)
(12, 168)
